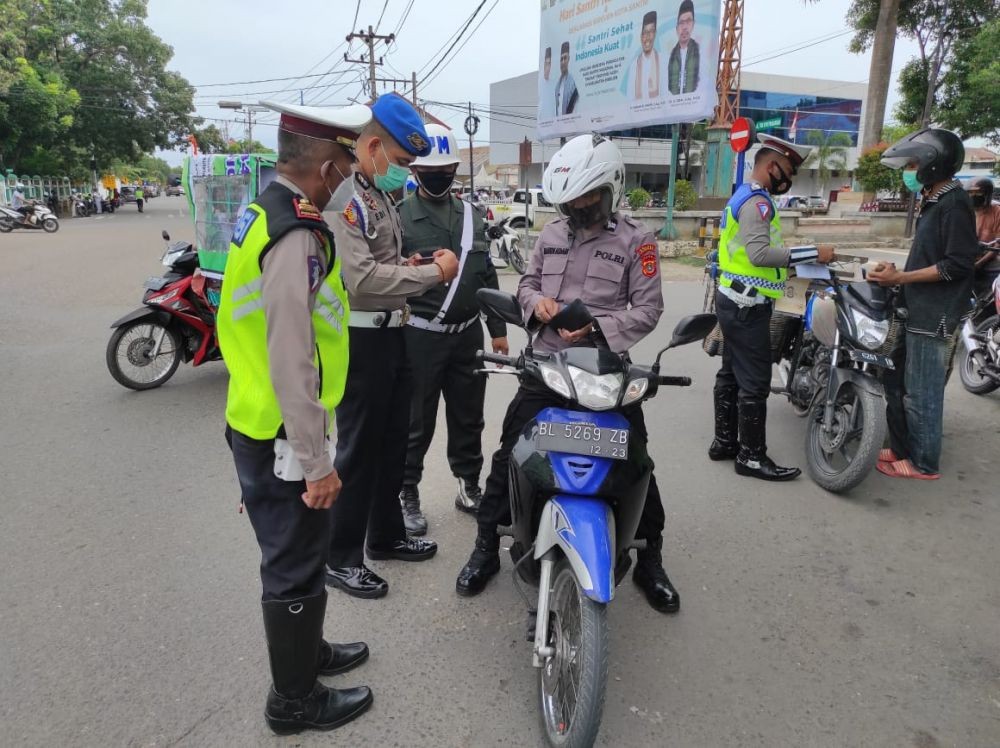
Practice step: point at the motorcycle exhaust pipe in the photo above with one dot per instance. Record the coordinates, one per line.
(967, 332)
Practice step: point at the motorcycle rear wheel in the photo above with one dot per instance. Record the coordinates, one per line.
(840, 461)
(128, 354)
(517, 259)
(968, 365)
(6, 227)
(572, 684)
(50, 225)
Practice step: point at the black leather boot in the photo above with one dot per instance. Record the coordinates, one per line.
(726, 444)
(482, 566)
(653, 580)
(413, 519)
(339, 658)
(753, 460)
(297, 701)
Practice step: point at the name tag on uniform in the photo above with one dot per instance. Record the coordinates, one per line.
(287, 466)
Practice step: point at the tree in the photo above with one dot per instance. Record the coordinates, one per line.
(830, 154)
(36, 112)
(128, 104)
(970, 100)
(240, 146)
(210, 140)
(875, 22)
(873, 176)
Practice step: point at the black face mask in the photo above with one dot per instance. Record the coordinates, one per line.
(436, 183)
(978, 201)
(592, 215)
(779, 186)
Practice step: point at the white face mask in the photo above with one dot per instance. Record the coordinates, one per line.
(340, 197)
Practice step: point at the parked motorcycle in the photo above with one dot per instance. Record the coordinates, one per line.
(176, 323)
(828, 364)
(577, 488)
(505, 249)
(44, 220)
(979, 361)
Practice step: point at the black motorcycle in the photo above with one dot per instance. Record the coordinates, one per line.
(979, 360)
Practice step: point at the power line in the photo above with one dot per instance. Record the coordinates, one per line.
(379, 22)
(797, 49)
(464, 28)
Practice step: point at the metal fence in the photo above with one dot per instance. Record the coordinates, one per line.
(35, 187)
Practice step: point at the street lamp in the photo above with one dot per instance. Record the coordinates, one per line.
(248, 109)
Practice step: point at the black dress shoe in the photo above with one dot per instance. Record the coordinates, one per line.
(339, 658)
(654, 582)
(324, 708)
(482, 566)
(721, 450)
(357, 581)
(765, 469)
(410, 549)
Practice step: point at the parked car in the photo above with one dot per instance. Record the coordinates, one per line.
(174, 190)
(816, 203)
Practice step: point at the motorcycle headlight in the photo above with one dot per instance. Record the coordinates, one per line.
(871, 333)
(635, 390)
(596, 392)
(554, 380)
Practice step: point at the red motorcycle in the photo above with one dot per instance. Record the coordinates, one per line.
(176, 323)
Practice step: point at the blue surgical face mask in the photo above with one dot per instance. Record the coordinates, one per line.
(911, 181)
(395, 175)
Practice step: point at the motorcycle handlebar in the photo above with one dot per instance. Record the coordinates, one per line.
(496, 358)
(674, 381)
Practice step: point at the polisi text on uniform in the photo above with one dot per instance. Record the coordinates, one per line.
(610, 257)
(555, 250)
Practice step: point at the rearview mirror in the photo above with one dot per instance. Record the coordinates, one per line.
(692, 328)
(503, 305)
(165, 235)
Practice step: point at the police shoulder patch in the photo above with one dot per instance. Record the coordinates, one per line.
(649, 259)
(243, 224)
(315, 273)
(305, 209)
(765, 210)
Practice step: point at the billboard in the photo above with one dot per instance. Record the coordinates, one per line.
(617, 64)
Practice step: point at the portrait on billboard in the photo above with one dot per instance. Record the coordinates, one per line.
(547, 88)
(566, 93)
(684, 63)
(647, 65)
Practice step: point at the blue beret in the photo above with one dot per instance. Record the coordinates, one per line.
(402, 122)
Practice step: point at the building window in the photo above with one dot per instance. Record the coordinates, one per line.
(821, 114)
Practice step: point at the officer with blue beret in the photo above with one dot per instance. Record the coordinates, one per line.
(373, 416)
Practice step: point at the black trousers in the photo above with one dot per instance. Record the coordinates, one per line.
(293, 538)
(373, 420)
(746, 352)
(494, 509)
(444, 364)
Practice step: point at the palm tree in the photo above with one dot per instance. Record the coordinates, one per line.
(830, 154)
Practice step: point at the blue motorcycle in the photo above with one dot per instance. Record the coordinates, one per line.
(577, 487)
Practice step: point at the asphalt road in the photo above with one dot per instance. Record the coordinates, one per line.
(129, 604)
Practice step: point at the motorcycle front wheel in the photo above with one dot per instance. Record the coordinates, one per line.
(517, 259)
(50, 225)
(972, 361)
(130, 354)
(572, 684)
(839, 460)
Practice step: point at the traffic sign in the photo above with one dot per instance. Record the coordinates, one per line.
(742, 135)
(767, 124)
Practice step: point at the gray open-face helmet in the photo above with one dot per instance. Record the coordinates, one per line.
(936, 154)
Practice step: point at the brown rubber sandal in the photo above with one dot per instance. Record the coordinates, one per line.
(887, 455)
(904, 469)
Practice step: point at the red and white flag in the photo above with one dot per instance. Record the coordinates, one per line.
(792, 129)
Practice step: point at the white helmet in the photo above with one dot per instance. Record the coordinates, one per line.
(444, 148)
(585, 163)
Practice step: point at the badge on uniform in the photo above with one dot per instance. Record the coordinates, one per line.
(369, 201)
(354, 213)
(315, 273)
(305, 209)
(243, 225)
(764, 208)
(649, 257)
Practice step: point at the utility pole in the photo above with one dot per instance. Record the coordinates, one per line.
(370, 39)
(471, 126)
(414, 88)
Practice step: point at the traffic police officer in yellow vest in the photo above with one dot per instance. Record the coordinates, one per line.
(754, 265)
(282, 327)
(373, 419)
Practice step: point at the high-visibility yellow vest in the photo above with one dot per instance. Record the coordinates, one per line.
(252, 406)
(733, 259)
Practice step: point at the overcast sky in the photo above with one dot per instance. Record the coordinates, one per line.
(284, 39)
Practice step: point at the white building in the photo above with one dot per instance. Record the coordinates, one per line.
(816, 108)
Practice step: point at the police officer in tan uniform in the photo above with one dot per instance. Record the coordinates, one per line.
(281, 331)
(611, 263)
(373, 418)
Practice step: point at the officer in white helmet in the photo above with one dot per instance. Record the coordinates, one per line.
(444, 331)
(611, 263)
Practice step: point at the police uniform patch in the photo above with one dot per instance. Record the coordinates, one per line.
(305, 209)
(243, 225)
(417, 141)
(764, 208)
(315, 273)
(649, 257)
(369, 201)
(351, 213)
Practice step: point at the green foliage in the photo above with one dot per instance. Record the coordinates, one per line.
(970, 101)
(685, 195)
(874, 177)
(210, 140)
(913, 81)
(893, 131)
(637, 198)
(106, 71)
(830, 154)
(240, 146)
